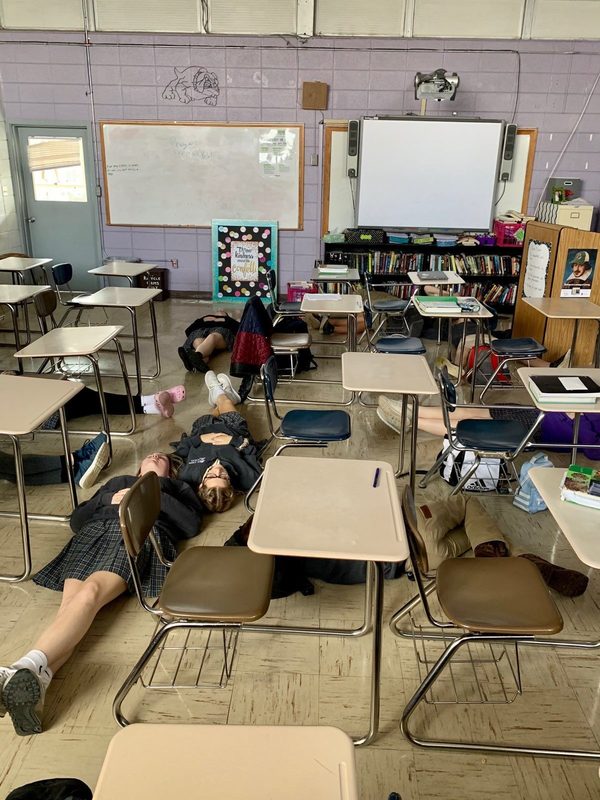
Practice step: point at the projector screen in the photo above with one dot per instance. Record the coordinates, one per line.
(417, 172)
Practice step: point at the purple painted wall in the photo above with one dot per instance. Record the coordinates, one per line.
(43, 78)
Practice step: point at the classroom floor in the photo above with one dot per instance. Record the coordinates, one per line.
(284, 679)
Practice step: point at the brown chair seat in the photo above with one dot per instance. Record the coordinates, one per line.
(497, 595)
(218, 584)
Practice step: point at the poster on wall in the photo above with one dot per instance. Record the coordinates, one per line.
(536, 269)
(579, 273)
(242, 252)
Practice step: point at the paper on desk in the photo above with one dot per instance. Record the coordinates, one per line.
(320, 297)
(573, 384)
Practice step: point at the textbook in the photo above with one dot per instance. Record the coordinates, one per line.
(581, 485)
(333, 269)
(439, 304)
(564, 388)
(427, 274)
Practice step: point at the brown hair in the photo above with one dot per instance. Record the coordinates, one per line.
(216, 498)
(175, 463)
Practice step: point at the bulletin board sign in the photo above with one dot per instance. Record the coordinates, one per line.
(242, 251)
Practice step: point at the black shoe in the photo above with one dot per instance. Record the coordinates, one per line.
(23, 698)
(197, 361)
(184, 358)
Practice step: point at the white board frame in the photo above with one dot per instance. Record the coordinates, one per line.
(338, 207)
(296, 194)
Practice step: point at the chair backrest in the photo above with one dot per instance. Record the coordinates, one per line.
(416, 543)
(138, 512)
(62, 273)
(448, 397)
(268, 376)
(272, 284)
(45, 305)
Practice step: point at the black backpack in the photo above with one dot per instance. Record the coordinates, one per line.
(305, 358)
(52, 789)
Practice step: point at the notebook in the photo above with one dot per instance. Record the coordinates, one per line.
(428, 274)
(564, 388)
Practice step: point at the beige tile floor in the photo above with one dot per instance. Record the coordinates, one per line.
(298, 680)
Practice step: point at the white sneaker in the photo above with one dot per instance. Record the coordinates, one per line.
(23, 698)
(214, 388)
(390, 413)
(6, 674)
(226, 385)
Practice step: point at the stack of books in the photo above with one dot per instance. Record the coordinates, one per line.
(581, 485)
(438, 305)
(333, 269)
(564, 389)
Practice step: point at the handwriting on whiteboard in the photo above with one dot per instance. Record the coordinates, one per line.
(116, 169)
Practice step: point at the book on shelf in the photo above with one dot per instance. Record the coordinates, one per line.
(564, 389)
(581, 485)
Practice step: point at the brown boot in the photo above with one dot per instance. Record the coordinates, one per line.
(567, 582)
(494, 549)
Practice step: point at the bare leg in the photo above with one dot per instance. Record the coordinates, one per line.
(432, 421)
(224, 405)
(81, 602)
(209, 345)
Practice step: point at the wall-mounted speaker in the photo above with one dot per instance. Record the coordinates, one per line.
(353, 142)
(508, 152)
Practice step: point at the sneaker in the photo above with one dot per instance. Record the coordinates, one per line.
(227, 386)
(6, 674)
(197, 361)
(90, 460)
(23, 698)
(390, 413)
(214, 388)
(563, 361)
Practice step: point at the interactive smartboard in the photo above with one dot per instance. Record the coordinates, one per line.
(187, 174)
(427, 172)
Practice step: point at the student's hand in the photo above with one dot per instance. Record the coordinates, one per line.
(118, 496)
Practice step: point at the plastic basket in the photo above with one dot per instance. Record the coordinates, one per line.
(297, 289)
(506, 233)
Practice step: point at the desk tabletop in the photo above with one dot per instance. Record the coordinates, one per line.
(322, 276)
(451, 279)
(18, 294)
(18, 264)
(328, 508)
(122, 269)
(387, 372)
(483, 312)
(564, 307)
(338, 304)
(27, 402)
(79, 341)
(226, 762)
(525, 373)
(579, 524)
(118, 297)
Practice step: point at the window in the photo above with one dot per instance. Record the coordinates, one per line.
(357, 18)
(46, 15)
(57, 169)
(259, 16)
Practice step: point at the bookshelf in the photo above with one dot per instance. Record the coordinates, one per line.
(491, 274)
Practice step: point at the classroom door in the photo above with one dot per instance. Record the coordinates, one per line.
(61, 217)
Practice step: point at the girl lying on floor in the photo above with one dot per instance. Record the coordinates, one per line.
(90, 571)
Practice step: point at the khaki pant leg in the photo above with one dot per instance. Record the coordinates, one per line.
(437, 521)
(480, 527)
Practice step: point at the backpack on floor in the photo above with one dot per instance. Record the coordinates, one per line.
(457, 463)
(305, 359)
(527, 497)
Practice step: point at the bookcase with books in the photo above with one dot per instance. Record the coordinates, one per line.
(491, 273)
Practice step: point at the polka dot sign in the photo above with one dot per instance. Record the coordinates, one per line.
(242, 252)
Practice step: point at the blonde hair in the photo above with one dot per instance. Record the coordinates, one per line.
(216, 498)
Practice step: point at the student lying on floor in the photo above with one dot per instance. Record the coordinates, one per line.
(220, 456)
(90, 571)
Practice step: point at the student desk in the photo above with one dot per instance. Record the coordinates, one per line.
(18, 266)
(386, 373)
(85, 343)
(13, 296)
(525, 373)
(131, 300)
(452, 279)
(228, 762)
(346, 305)
(26, 403)
(330, 508)
(122, 269)
(567, 308)
(347, 278)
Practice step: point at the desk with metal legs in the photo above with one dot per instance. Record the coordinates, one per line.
(14, 296)
(348, 279)
(86, 343)
(387, 373)
(18, 267)
(122, 269)
(569, 308)
(26, 403)
(346, 509)
(228, 762)
(131, 300)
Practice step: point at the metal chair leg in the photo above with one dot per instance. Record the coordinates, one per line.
(436, 465)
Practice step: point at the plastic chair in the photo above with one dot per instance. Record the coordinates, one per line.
(280, 309)
(206, 588)
(487, 438)
(62, 274)
(507, 350)
(486, 601)
(380, 310)
(300, 427)
(401, 345)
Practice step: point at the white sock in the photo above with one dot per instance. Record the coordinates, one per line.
(35, 661)
(149, 404)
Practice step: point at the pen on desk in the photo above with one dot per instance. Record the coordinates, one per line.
(376, 478)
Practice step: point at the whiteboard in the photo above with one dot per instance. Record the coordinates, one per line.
(339, 189)
(187, 174)
(419, 172)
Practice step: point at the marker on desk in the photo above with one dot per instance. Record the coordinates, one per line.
(376, 478)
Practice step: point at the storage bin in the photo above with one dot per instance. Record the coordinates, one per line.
(507, 233)
(297, 289)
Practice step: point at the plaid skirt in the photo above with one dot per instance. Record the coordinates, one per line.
(202, 333)
(98, 547)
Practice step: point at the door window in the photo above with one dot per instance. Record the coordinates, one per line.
(57, 168)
